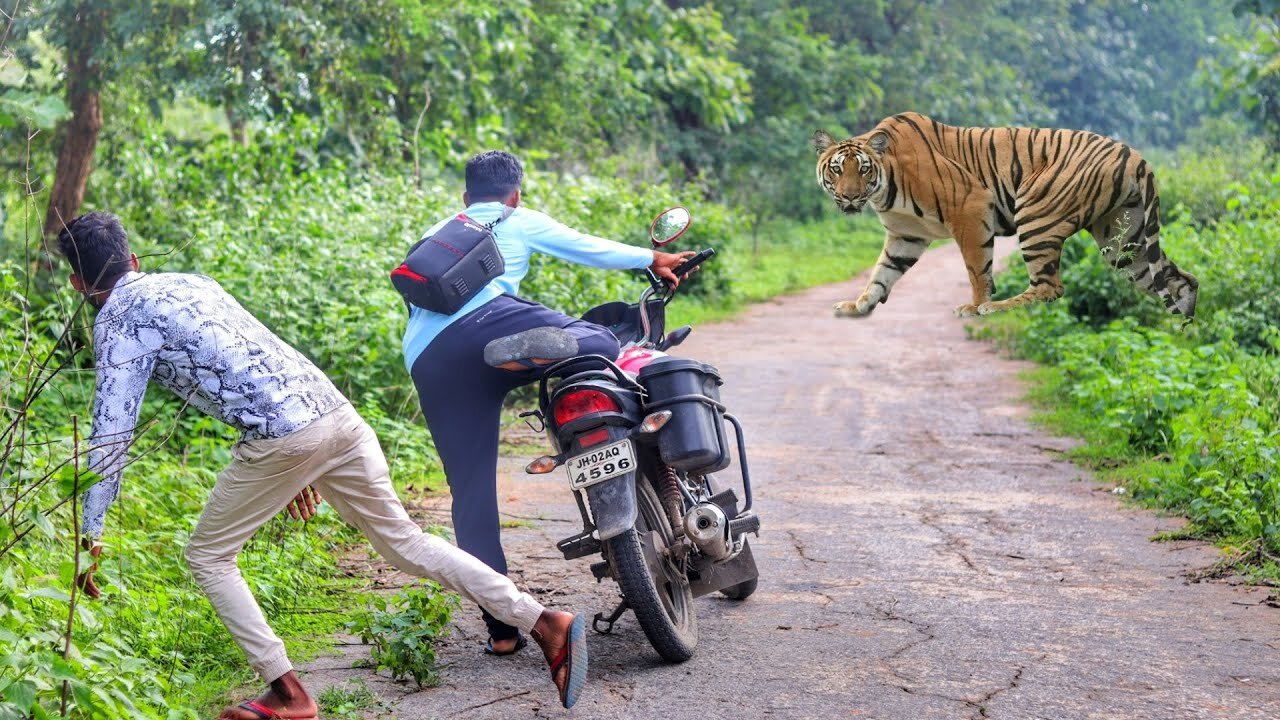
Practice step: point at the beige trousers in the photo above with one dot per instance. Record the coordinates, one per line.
(339, 455)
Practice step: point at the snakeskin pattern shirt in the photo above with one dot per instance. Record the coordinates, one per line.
(188, 335)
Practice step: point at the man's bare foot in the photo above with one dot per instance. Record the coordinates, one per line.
(286, 699)
(552, 634)
(506, 646)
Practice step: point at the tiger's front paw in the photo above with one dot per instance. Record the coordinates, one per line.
(965, 311)
(987, 308)
(852, 309)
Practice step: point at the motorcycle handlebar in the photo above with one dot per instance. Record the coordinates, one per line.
(688, 265)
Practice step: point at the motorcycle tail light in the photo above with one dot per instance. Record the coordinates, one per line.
(573, 405)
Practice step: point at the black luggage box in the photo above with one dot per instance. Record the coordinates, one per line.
(694, 439)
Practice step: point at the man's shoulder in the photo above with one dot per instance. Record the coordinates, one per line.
(156, 293)
(178, 285)
(527, 213)
(535, 223)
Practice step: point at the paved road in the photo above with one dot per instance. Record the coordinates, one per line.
(925, 554)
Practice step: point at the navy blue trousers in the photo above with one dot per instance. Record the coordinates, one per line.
(462, 397)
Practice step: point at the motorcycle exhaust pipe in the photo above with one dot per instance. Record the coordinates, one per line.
(708, 528)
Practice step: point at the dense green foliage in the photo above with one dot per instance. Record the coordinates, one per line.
(1191, 414)
(725, 94)
(293, 150)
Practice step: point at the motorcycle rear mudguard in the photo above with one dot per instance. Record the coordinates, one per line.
(613, 505)
(712, 577)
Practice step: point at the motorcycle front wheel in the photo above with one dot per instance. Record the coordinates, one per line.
(656, 588)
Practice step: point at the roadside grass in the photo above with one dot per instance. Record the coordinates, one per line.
(222, 678)
(1137, 477)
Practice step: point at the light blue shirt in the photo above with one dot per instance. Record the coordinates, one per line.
(519, 236)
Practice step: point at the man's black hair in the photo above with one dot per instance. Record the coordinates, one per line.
(493, 175)
(97, 248)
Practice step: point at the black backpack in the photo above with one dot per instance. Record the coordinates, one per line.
(442, 272)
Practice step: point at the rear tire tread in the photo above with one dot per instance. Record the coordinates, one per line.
(626, 557)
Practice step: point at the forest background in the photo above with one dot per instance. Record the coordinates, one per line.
(293, 150)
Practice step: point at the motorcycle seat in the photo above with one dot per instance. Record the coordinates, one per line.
(623, 319)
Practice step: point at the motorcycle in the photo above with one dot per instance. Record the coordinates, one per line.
(641, 438)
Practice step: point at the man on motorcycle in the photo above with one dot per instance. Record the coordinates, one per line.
(464, 364)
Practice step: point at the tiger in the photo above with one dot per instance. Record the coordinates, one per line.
(929, 181)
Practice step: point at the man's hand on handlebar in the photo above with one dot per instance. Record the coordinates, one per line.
(664, 265)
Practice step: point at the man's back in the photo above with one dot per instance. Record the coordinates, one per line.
(186, 333)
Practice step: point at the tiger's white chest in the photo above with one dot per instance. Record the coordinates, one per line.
(902, 221)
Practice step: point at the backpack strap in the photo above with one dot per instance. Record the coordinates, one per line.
(505, 214)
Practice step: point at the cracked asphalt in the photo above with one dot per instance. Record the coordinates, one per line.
(925, 553)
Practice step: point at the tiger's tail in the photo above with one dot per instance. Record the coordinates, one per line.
(1130, 239)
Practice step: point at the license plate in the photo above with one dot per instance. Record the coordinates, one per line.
(600, 464)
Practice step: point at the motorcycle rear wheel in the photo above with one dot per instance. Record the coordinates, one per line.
(663, 605)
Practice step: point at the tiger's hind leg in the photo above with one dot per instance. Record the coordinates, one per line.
(1129, 237)
(1042, 250)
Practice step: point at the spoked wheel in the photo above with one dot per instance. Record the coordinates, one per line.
(654, 583)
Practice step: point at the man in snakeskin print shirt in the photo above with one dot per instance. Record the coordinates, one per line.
(299, 437)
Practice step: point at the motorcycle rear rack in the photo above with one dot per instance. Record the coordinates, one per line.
(742, 464)
(584, 363)
(739, 436)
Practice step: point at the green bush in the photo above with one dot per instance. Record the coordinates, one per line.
(1237, 263)
(1204, 180)
(1136, 381)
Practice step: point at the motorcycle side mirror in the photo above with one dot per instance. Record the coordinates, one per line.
(669, 225)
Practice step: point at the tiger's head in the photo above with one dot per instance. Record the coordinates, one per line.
(851, 171)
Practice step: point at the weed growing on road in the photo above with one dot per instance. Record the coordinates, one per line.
(352, 700)
(404, 631)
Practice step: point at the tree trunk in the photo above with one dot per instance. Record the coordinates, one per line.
(236, 123)
(80, 137)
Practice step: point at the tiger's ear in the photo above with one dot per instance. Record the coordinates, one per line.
(822, 140)
(879, 142)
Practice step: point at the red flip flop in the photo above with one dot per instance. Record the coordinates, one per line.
(573, 655)
(267, 713)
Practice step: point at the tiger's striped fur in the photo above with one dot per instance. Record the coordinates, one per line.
(928, 181)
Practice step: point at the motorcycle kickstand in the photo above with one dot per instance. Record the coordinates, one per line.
(609, 621)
